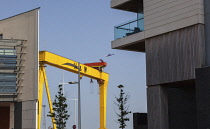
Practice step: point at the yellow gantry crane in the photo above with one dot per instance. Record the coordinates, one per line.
(47, 58)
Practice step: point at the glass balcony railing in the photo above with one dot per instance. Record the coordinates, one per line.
(129, 28)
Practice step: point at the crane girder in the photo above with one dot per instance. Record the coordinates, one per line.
(60, 62)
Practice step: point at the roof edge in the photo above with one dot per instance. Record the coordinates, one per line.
(20, 14)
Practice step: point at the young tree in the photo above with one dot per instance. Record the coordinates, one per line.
(60, 109)
(123, 109)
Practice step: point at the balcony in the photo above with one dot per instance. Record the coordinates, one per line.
(130, 35)
(129, 28)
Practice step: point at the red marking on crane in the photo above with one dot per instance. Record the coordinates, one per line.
(96, 64)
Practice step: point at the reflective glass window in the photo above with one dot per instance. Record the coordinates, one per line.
(8, 62)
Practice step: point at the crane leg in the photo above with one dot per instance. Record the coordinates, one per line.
(42, 81)
(49, 97)
(103, 98)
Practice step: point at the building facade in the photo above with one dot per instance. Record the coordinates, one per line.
(174, 35)
(19, 39)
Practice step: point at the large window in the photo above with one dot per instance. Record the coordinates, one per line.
(7, 70)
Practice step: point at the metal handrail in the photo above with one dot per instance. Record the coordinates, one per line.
(128, 22)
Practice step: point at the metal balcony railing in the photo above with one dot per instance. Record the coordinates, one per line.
(129, 28)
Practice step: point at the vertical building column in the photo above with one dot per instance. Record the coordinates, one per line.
(157, 106)
(202, 97)
(11, 115)
(29, 114)
(18, 115)
(207, 30)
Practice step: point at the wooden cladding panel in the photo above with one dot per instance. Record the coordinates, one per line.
(174, 56)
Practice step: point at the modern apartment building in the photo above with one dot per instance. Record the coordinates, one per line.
(175, 37)
(19, 40)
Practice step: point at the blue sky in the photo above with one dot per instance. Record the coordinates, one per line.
(82, 30)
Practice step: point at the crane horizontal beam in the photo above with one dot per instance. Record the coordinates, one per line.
(69, 65)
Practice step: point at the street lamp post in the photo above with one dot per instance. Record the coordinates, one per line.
(79, 99)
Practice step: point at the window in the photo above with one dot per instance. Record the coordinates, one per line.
(8, 62)
(1, 36)
(7, 52)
